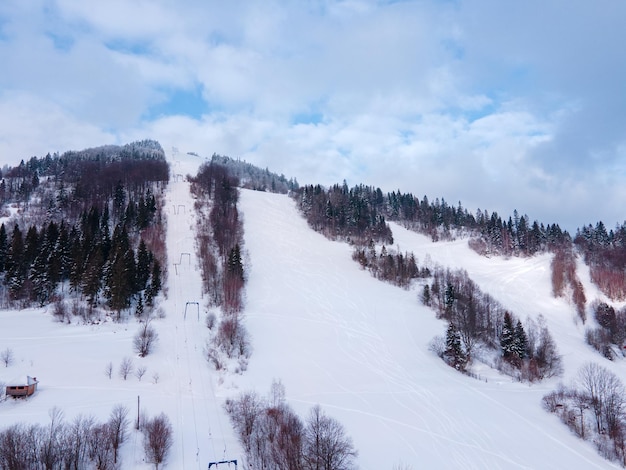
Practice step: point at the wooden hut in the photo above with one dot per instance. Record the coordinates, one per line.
(23, 390)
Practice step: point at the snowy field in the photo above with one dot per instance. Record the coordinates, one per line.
(332, 334)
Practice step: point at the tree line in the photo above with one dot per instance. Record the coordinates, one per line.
(355, 215)
(253, 177)
(79, 179)
(525, 351)
(605, 253)
(609, 336)
(83, 443)
(36, 265)
(390, 266)
(358, 214)
(220, 251)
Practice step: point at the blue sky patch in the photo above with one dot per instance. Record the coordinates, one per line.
(180, 102)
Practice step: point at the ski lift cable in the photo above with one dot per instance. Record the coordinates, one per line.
(193, 402)
(203, 387)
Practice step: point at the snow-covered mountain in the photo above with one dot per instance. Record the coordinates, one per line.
(331, 333)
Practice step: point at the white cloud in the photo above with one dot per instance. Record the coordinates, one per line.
(500, 106)
(33, 127)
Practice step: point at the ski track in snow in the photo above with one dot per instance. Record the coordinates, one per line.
(331, 333)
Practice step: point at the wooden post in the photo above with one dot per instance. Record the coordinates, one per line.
(137, 412)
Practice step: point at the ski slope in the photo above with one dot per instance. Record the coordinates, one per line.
(331, 333)
(336, 336)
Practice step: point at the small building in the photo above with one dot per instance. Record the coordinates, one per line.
(23, 390)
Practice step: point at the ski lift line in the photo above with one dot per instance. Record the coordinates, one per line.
(221, 462)
(203, 387)
(193, 401)
(179, 401)
(217, 415)
(198, 309)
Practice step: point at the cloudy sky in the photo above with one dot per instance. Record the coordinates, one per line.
(501, 105)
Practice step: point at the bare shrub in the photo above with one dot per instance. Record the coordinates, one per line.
(437, 346)
(140, 372)
(6, 357)
(232, 337)
(155, 378)
(108, 370)
(158, 439)
(402, 466)
(599, 339)
(80, 310)
(558, 265)
(213, 357)
(61, 312)
(211, 320)
(126, 367)
(145, 339)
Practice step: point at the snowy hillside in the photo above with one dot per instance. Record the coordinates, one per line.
(331, 333)
(359, 347)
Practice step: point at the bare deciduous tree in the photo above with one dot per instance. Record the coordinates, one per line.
(326, 445)
(100, 447)
(76, 442)
(158, 439)
(605, 394)
(118, 422)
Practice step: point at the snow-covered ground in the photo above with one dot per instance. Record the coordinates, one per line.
(332, 334)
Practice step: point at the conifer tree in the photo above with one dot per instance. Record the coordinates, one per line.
(38, 277)
(426, 298)
(32, 245)
(520, 344)
(4, 247)
(16, 267)
(91, 280)
(63, 251)
(155, 283)
(450, 297)
(144, 258)
(235, 265)
(454, 354)
(507, 337)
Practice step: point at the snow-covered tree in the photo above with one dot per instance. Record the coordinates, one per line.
(454, 354)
